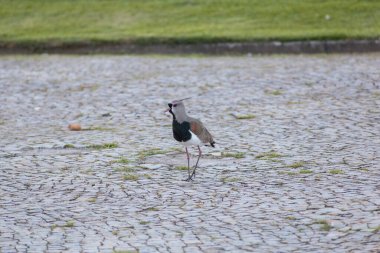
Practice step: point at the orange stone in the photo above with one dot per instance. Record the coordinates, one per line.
(75, 127)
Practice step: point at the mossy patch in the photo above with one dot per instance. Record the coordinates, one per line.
(68, 146)
(88, 172)
(121, 160)
(336, 171)
(229, 179)
(150, 209)
(180, 168)
(268, 155)
(237, 155)
(325, 225)
(305, 171)
(125, 169)
(144, 222)
(130, 177)
(294, 103)
(68, 224)
(296, 165)
(150, 152)
(243, 116)
(147, 176)
(176, 149)
(103, 146)
(274, 92)
(91, 200)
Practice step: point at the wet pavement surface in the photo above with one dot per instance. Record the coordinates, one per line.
(295, 169)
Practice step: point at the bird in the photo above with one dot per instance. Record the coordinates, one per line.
(189, 132)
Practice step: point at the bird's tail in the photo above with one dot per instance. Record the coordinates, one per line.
(212, 144)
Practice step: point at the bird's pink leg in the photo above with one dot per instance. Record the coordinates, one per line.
(196, 165)
(188, 161)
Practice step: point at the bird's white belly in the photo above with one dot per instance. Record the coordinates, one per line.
(194, 141)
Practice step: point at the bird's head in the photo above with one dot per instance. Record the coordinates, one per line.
(177, 107)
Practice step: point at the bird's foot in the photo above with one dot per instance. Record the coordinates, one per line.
(192, 175)
(189, 178)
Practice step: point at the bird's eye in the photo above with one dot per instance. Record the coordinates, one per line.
(175, 105)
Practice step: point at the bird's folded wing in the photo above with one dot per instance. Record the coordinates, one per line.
(199, 130)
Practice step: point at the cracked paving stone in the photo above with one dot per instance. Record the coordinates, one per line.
(302, 175)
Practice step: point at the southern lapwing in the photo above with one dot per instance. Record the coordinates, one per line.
(188, 131)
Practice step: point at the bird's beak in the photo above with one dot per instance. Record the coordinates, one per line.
(170, 107)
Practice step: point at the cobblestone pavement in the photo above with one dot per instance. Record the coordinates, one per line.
(296, 167)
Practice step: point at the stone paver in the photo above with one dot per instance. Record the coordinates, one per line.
(301, 176)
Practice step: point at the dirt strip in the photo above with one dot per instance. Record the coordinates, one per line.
(269, 47)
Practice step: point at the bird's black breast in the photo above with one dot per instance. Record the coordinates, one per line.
(181, 131)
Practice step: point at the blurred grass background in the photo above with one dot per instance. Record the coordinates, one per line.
(186, 21)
